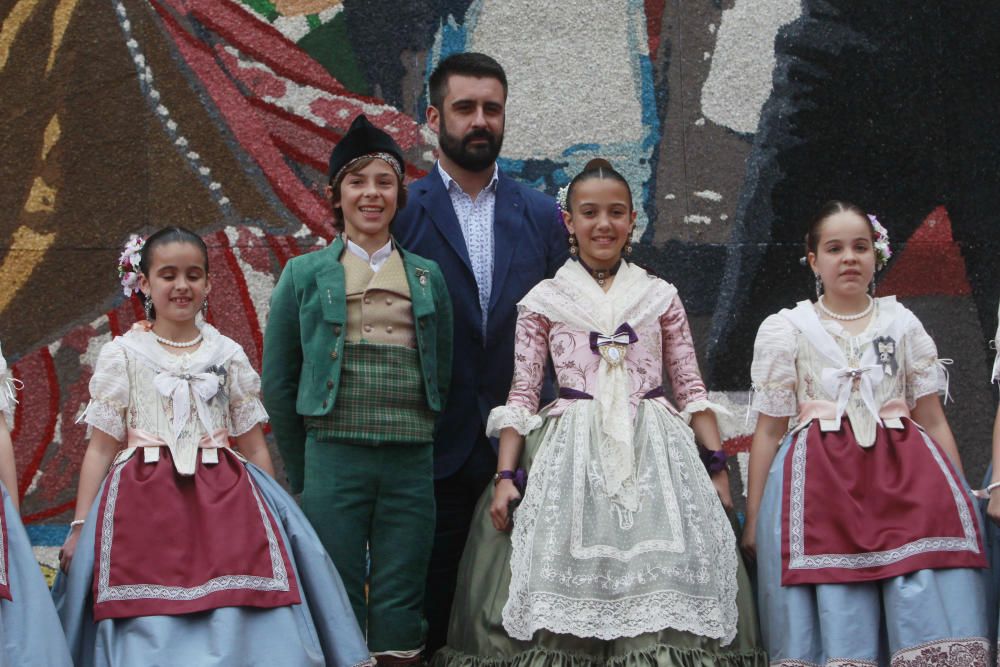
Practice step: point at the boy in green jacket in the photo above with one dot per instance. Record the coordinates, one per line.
(357, 359)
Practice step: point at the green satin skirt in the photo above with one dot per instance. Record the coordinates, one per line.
(476, 636)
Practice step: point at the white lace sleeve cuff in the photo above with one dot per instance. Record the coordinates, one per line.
(932, 378)
(515, 416)
(704, 404)
(774, 401)
(105, 416)
(245, 415)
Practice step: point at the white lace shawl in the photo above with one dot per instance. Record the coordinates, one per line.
(133, 372)
(574, 298)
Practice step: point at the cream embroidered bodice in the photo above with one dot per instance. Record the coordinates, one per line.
(125, 396)
(788, 368)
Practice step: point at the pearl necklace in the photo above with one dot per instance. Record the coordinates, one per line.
(846, 318)
(174, 343)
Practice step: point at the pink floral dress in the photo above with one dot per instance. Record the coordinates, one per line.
(620, 531)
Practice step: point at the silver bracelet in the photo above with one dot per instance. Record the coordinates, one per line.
(79, 522)
(990, 487)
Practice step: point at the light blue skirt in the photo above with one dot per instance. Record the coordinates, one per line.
(318, 632)
(30, 634)
(933, 617)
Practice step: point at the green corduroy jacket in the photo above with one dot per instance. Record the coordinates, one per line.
(304, 343)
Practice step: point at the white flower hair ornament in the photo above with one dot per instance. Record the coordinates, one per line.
(882, 249)
(128, 264)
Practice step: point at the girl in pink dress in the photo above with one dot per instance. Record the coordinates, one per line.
(621, 551)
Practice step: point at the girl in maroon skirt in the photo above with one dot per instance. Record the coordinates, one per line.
(184, 551)
(869, 547)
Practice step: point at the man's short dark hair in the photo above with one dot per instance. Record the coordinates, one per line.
(474, 64)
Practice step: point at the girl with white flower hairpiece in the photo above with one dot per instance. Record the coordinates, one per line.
(182, 544)
(868, 544)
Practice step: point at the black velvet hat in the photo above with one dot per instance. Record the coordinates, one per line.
(364, 139)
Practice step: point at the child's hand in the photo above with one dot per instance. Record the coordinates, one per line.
(69, 548)
(721, 482)
(503, 494)
(748, 543)
(993, 509)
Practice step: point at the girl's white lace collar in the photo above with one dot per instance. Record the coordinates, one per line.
(145, 344)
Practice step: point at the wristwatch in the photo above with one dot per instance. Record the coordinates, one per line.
(503, 474)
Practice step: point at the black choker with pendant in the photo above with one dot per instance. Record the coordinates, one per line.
(601, 275)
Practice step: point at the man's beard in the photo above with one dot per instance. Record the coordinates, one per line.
(470, 157)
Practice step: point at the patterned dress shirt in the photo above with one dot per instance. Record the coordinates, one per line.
(476, 219)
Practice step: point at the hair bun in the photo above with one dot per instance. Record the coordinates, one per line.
(598, 163)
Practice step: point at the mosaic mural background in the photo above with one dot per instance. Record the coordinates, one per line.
(731, 118)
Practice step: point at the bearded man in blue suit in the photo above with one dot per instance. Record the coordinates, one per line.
(494, 240)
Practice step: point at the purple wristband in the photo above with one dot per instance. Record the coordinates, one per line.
(519, 477)
(714, 461)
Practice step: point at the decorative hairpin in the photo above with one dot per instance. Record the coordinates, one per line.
(128, 264)
(882, 250)
(562, 198)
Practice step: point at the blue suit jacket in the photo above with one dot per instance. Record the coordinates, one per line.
(530, 244)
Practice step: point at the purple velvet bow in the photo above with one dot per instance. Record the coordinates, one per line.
(625, 335)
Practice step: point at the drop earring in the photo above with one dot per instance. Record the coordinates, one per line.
(147, 305)
(204, 308)
(819, 286)
(573, 250)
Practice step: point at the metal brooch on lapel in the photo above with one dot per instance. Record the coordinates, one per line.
(885, 348)
(421, 276)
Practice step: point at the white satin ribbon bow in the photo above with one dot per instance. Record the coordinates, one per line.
(840, 381)
(621, 338)
(9, 386)
(203, 386)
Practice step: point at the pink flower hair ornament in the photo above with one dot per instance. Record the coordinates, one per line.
(881, 245)
(128, 264)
